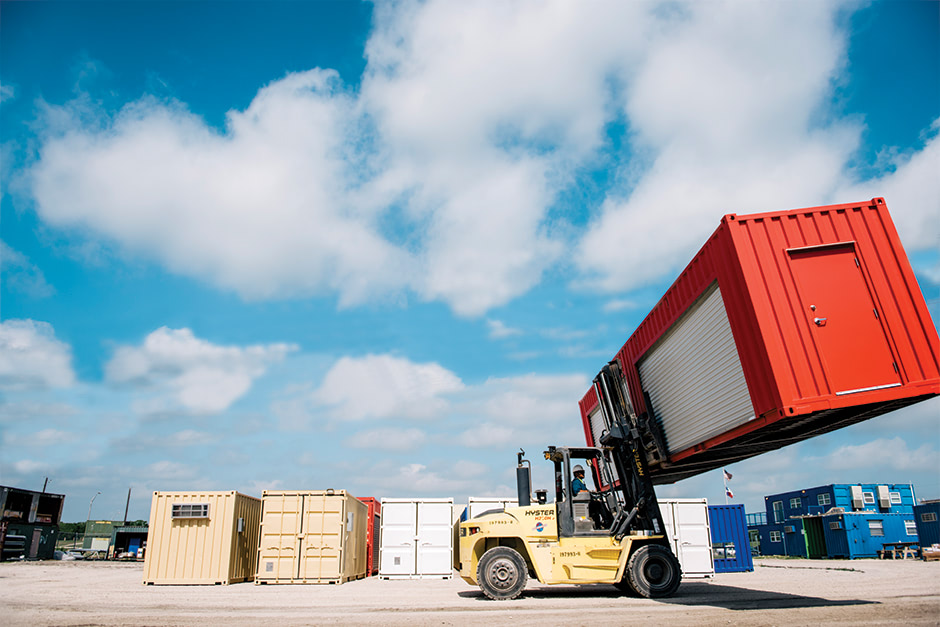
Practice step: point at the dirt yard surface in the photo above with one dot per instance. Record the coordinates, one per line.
(778, 592)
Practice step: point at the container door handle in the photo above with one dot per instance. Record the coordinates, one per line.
(820, 322)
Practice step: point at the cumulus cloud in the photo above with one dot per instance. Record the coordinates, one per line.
(911, 189)
(383, 386)
(886, 453)
(19, 274)
(32, 357)
(442, 175)
(724, 109)
(499, 330)
(183, 370)
(390, 439)
(265, 208)
(40, 439)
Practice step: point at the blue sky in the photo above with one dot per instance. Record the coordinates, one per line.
(380, 247)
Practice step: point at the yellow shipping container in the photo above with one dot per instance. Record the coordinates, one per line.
(312, 537)
(202, 538)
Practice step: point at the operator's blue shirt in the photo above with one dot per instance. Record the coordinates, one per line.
(576, 486)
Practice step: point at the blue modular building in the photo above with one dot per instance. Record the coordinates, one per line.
(838, 520)
(731, 550)
(926, 517)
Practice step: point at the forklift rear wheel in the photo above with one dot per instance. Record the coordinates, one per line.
(653, 571)
(502, 573)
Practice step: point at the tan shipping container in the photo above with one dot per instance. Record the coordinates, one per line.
(312, 537)
(202, 538)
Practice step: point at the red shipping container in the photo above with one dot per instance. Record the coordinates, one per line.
(784, 326)
(373, 528)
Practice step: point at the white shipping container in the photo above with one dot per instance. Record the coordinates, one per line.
(689, 534)
(476, 505)
(417, 538)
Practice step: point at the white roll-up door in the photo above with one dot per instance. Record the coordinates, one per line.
(694, 377)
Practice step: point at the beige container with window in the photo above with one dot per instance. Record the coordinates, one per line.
(312, 537)
(202, 538)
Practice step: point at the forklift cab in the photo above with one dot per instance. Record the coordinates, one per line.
(592, 511)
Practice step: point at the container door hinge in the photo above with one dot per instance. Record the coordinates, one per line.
(857, 264)
(876, 314)
(895, 364)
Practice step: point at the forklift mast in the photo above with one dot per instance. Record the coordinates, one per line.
(632, 441)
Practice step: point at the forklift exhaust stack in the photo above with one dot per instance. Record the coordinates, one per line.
(523, 480)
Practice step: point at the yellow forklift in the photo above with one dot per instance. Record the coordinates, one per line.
(613, 534)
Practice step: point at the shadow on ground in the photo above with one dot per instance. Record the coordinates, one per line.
(693, 594)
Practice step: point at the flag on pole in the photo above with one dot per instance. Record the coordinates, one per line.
(727, 475)
(729, 493)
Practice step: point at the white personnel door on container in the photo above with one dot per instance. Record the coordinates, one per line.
(688, 532)
(694, 538)
(398, 538)
(434, 538)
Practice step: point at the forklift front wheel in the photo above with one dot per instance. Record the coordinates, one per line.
(502, 573)
(653, 572)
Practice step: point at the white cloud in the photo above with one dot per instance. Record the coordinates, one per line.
(19, 274)
(390, 439)
(30, 466)
(40, 439)
(440, 176)
(32, 357)
(266, 209)
(7, 92)
(616, 305)
(724, 109)
(383, 386)
(190, 372)
(499, 330)
(911, 189)
(888, 454)
(529, 400)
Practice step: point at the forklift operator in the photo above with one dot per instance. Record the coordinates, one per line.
(577, 484)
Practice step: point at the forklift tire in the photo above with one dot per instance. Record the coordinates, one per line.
(653, 572)
(502, 573)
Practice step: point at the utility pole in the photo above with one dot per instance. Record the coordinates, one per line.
(128, 506)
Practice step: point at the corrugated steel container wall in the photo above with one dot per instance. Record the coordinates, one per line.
(373, 533)
(807, 371)
(208, 550)
(927, 518)
(860, 541)
(312, 537)
(728, 526)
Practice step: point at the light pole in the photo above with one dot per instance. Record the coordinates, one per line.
(90, 503)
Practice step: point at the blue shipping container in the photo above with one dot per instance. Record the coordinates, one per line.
(927, 519)
(730, 546)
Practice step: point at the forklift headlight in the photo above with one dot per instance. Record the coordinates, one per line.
(474, 530)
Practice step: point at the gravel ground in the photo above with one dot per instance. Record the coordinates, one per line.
(778, 592)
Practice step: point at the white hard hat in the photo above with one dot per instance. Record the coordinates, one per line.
(577, 469)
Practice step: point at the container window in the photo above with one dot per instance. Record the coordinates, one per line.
(778, 511)
(823, 499)
(796, 503)
(895, 498)
(910, 527)
(876, 528)
(835, 524)
(190, 510)
(869, 498)
(928, 517)
(775, 536)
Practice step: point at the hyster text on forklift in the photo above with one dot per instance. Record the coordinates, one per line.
(615, 536)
